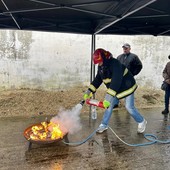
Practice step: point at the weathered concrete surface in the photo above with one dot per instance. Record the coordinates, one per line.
(101, 152)
(51, 61)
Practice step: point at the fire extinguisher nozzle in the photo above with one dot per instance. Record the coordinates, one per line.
(82, 102)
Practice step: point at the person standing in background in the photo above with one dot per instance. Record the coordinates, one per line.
(130, 60)
(166, 76)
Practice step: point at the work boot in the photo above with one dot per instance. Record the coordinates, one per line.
(164, 112)
(102, 128)
(142, 126)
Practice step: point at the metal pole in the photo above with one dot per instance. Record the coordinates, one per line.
(94, 47)
(93, 44)
(11, 15)
(92, 70)
(91, 61)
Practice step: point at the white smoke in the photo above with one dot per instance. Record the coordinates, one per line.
(69, 120)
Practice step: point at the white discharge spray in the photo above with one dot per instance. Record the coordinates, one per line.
(69, 120)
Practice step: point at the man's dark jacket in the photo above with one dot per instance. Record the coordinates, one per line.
(132, 62)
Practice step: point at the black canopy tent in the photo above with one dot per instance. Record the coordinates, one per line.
(125, 17)
(129, 17)
(153, 19)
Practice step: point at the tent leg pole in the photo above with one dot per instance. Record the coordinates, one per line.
(92, 70)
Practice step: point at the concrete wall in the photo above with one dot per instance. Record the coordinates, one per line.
(46, 61)
(153, 52)
(53, 60)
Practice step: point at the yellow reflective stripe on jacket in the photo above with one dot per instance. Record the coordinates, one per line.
(106, 80)
(125, 72)
(111, 92)
(126, 92)
(92, 88)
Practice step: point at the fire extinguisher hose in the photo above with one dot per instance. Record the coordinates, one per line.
(81, 142)
(150, 137)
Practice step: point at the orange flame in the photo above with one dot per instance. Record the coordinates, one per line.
(46, 131)
(56, 132)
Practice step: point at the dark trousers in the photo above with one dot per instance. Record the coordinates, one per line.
(167, 96)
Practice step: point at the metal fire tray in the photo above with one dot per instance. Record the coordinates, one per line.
(28, 131)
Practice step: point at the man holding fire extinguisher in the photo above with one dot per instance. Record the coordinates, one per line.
(120, 84)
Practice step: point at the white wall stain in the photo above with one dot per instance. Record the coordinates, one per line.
(55, 60)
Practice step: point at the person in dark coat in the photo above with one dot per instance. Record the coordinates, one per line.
(131, 61)
(120, 84)
(166, 76)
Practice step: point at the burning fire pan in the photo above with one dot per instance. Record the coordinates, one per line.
(48, 140)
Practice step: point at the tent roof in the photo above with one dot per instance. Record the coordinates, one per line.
(129, 17)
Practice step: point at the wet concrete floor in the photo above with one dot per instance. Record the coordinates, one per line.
(101, 152)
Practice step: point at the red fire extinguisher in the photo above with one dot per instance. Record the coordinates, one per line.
(94, 102)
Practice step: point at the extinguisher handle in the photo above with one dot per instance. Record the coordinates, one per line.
(101, 105)
(94, 102)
